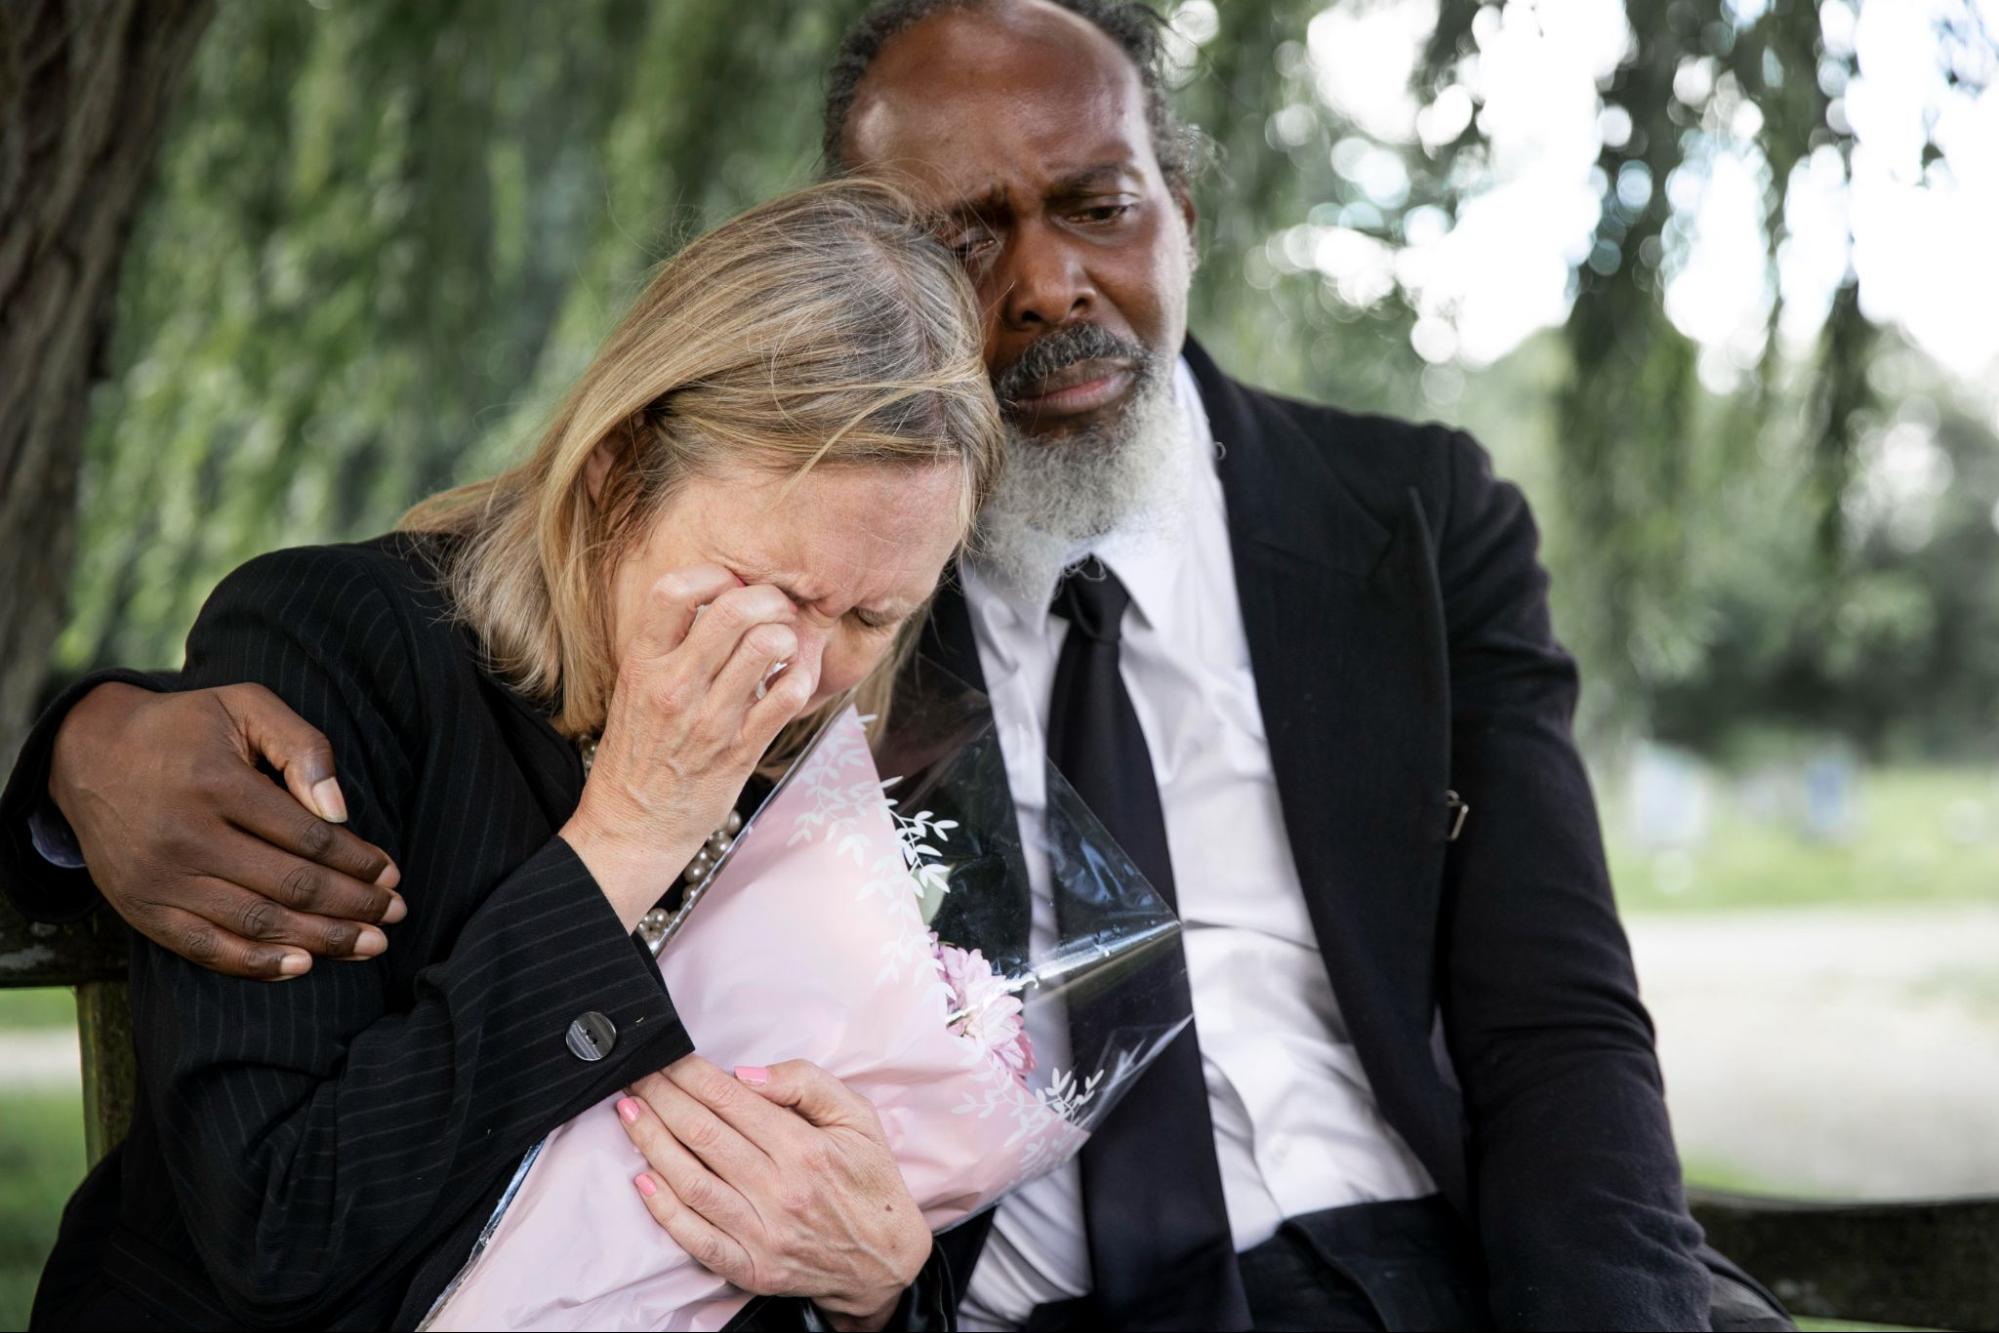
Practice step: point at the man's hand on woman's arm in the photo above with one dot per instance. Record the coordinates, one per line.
(199, 850)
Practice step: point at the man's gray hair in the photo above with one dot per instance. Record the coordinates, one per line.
(1135, 27)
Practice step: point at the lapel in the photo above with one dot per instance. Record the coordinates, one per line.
(1346, 641)
(994, 905)
(947, 634)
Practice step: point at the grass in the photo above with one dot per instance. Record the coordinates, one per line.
(41, 1160)
(1922, 835)
(40, 1009)
(1714, 1174)
(41, 1155)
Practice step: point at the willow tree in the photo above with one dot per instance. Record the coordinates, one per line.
(1649, 473)
(384, 234)
(1655, 473)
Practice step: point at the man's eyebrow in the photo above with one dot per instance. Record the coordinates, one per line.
(988, 203)
(1095, 176)
(992, 201)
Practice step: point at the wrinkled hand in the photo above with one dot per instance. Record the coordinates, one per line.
(198, 850)
(780, 1181)
(686, 728)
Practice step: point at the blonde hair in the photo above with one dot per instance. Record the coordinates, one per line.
(825, 326)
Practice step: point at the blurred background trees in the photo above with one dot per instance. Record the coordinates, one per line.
(84, 91)
(384, 235)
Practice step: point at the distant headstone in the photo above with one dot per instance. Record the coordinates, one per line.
(1670, 792)
(1830, 813)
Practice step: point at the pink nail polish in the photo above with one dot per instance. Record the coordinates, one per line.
(754, 1075)
(644, 1182)
(628, 1110)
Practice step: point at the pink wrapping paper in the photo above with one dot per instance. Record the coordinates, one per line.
(808, 945)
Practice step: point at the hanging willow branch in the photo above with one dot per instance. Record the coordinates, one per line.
(85, 89)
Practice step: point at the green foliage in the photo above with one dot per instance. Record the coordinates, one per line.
(1644, 461)
(1892, 644)
(384, 236)
(41, 1159)
(50, 1007)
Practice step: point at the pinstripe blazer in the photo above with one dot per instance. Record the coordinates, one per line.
(321, 1152)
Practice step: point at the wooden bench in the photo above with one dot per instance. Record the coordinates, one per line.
(89, 956)
(1933, 1264)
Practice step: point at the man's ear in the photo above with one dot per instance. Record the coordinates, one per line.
(1183, 199)
(597, 467)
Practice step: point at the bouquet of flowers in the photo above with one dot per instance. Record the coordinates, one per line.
(899, 948)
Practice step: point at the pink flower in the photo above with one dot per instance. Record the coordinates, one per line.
(986, 1011)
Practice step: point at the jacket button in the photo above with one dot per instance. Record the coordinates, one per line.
(591, 1036)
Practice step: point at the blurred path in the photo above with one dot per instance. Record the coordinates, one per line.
(1837, 1051)
(40, 1059)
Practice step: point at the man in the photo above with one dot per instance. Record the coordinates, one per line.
(1299, 660)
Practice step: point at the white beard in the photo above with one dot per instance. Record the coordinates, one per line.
(1057, 498)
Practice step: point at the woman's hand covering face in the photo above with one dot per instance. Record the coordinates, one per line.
(816, 571)
(857, 550)
(689, 719)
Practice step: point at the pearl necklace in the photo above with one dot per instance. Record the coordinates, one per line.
(653, 925)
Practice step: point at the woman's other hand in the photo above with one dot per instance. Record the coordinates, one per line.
(779, 1180)
(686, 728)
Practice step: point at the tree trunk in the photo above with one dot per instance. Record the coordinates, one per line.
(85, 88)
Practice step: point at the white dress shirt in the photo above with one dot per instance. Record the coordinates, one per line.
(1296, 1125)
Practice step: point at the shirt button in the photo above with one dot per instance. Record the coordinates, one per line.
(591, 1036)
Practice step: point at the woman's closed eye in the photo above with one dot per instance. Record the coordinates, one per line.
(874, 621)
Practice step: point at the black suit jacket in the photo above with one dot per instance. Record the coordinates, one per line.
(323, 1152)
(1398, 630)
(320, 1152)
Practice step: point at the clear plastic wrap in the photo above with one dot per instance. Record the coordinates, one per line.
(881, 929)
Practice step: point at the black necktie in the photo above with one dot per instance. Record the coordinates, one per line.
(1161, 1252)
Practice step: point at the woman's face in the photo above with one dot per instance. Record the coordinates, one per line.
(858, 548)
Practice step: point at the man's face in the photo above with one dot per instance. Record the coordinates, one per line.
(1025, 126)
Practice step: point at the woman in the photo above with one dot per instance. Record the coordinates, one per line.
(731, 526)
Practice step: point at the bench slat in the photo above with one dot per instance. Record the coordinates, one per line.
(90, 955)
(33, 954)
(1932, 1263)
(110, 1064)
